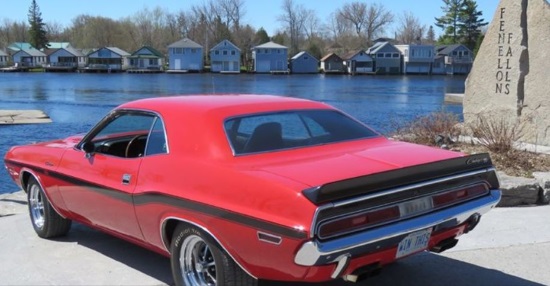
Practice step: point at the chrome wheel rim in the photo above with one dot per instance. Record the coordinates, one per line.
(197, 262)
(36, 203)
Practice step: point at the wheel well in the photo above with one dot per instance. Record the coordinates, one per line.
(25, 180)
(168, 230)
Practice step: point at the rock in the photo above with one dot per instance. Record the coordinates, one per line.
(13, 203)
(518, 191)
(543, 179)
(23, 117)
(508, 82)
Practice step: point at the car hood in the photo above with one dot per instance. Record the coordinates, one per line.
(68, 142)
(378, 156)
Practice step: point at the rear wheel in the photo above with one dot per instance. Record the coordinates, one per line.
(198, 260)
(47, 223)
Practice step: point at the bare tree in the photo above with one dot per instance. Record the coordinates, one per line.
(368, 20)
(232, 11)
(12, 31)
(356, 14)
(55, 31)
(294, 18)
(378, 18)
(410, 31)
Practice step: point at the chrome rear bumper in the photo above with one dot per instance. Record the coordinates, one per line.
(322, 253)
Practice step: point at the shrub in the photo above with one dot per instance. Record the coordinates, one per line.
(437, 128)
(497, 134)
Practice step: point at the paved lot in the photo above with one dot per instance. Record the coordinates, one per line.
(509, 247)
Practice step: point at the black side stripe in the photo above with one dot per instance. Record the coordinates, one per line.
(154, 197)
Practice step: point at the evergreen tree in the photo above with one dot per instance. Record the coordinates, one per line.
(430, 36)
(37, 31)
(450, 22)
(470, 24)
(261, 37)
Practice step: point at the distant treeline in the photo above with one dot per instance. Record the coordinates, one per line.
(352, 26)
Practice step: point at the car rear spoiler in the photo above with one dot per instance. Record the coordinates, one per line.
(401, 177)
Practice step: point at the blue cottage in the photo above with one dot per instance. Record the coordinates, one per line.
(185, 55)
(270, 57)
(303, 62)
(225, 57)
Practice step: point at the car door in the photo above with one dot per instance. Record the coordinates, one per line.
(100, 184)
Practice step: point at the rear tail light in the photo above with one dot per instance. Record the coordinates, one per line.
(399, 211)
(359, 221)
(457, 196)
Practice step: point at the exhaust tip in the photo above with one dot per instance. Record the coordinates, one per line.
(444, 245)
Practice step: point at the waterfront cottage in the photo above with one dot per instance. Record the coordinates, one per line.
(358, 62)
(225, 57)
(3, 58)
(108, 59)
(387, 58)
(185, 55)
(453, 59)
(146, 58)
(270, 57)
(332, 63)
(304, 62)
(67, 58)
(29, 58)
(417, 59)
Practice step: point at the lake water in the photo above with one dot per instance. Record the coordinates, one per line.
(75, 102)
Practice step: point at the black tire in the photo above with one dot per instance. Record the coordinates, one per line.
(47, 223)
(217, 268)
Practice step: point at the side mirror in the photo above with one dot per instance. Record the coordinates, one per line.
(89, 148)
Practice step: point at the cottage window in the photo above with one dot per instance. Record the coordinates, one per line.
(395, 55)
(225, 52)
(380, 55)
(259, 51)
(216, 52)
(278, 51)
(178, 51)
(193, 51)
(455, 53)
(233, 52)
(466, 53)
(306, 58)
(266, 51)
(153, 62)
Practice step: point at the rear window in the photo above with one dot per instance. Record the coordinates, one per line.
(291, 129)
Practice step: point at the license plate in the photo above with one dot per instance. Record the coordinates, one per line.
(415, 206)
(414, 242)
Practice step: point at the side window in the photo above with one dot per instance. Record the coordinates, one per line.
(125, 135)
(157, 139)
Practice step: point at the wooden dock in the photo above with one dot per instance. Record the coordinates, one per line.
(23, 117)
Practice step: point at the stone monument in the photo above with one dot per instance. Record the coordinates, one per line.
(510, 78)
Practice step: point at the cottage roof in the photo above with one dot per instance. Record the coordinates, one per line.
(185, 43)
(379, 46)
(223, 44)
(17, 46)
(303, 53)
(447, 49)
(69, 49)
(270, 45)
(32, 52)
(118, 51)
(153, 51)
(330, 56)
(352, 54)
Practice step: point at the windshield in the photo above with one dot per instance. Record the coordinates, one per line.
(292, 129)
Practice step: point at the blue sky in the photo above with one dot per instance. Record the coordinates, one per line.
(259, 13)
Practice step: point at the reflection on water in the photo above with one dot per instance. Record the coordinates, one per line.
(75, 102)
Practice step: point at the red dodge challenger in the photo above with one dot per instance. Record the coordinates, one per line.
(237, 188)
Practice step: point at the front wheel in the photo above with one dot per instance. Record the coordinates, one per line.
(198, 260)
(47, 223)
